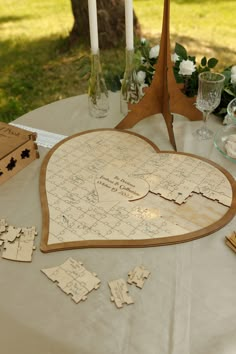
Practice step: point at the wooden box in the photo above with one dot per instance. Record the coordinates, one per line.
(17, 150)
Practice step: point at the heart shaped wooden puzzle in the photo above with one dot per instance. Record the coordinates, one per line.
(111, 188)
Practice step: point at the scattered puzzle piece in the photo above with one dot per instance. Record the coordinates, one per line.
(29, 233)
(3, 225)
(119, 293)
(73, 278)
(17, 251)
(18, 242)
(10, 234)
(138, 275)
(22, 248)
(231, 241)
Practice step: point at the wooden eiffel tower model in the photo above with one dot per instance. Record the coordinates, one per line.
(164, 94)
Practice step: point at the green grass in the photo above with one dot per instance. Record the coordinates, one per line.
(37, 67)
(205, 27)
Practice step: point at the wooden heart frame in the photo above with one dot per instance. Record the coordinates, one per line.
(58, 157)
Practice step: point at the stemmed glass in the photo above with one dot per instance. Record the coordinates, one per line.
(210, 86)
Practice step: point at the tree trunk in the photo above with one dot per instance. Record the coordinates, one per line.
(111, 22)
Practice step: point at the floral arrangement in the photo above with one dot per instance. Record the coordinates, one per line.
(186, 71)
(185, 67)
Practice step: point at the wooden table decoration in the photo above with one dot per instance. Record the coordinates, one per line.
(17, 150)
(230, 241)
(114, 188)
(164, 94)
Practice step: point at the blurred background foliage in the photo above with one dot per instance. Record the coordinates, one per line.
(38, 65)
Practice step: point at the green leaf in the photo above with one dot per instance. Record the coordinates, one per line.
(193, 59)
(212, 63)
(204, 61)
(83, 71)
(179, 78)
(181, 51)
(222, 111)
(142, 68)
(84, 60)
(113, 82)
(227, 75)
(229, 91)
(83, 65)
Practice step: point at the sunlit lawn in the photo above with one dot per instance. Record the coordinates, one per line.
(37, 68)
(205, 27)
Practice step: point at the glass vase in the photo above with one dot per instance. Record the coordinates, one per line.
(97, 90)
(130, 87)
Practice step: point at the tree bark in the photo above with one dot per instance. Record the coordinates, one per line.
(111, 23)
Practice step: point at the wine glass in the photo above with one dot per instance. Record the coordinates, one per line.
(231, 110)
(210, 86)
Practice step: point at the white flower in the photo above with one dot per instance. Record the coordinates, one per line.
(187, 67)
(141, 75)
(143, 40)
(141, 92)
(233, 70)
(233, 78)
(143, 60)
(154, 51)
(233, 74)
(174, 57)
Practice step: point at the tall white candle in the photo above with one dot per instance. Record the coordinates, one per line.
(129, 24)
(93, 25)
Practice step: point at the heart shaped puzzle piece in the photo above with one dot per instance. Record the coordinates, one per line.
(114, 185)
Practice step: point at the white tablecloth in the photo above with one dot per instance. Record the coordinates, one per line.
(187, 306)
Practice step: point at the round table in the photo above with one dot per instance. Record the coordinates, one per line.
(187, 305)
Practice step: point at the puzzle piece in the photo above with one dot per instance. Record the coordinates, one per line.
(29, 233)
(3, 225)
(119, 293)
(21, 249)
(73, 278)
(115, 185)
(231, 241)
(138, 275)
(11, 234)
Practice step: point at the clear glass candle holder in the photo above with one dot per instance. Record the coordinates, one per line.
(130, 87)
(231, 110)
(97, 91)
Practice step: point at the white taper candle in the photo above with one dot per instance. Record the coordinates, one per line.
(129, 24)
(93, 26)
